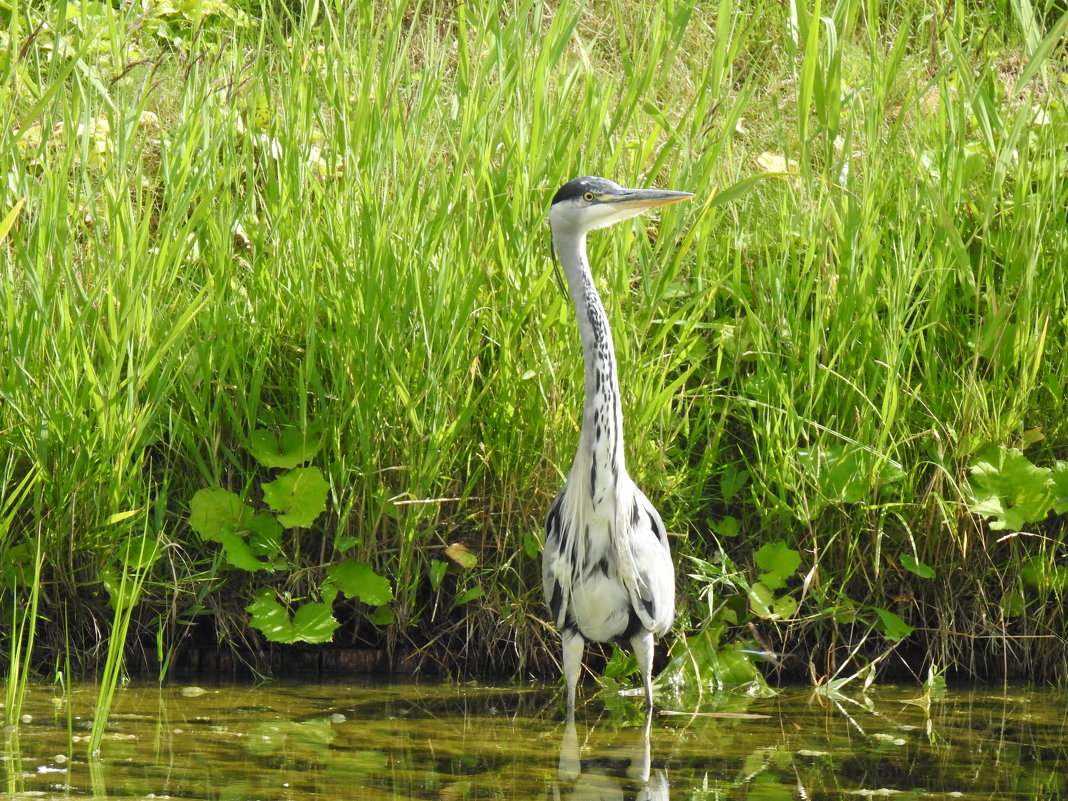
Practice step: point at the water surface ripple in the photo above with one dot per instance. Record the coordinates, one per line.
(464, 741)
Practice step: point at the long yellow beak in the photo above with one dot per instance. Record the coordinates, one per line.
(648, 198)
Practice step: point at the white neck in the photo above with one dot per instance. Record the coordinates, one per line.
(599, 461)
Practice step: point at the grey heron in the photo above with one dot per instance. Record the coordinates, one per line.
(606, 568)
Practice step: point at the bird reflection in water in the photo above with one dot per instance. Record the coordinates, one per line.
(618, 765)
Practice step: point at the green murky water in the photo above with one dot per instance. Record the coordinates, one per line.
(449, 741)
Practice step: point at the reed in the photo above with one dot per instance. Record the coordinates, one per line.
(334, 223)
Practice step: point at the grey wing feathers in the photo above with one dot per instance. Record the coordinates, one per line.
(646, 567)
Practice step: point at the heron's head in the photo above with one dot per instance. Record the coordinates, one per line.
(586, 204)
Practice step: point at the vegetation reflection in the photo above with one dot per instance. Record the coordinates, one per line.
(468, 741)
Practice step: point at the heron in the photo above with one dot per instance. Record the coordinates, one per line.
(606, 567)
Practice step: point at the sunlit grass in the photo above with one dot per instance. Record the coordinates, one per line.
(339, 220)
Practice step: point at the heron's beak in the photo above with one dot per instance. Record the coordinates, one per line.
(649, 198)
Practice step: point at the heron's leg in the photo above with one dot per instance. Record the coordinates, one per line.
(572, 645)
(642, 643)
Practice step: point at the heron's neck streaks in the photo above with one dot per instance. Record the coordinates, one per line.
(599, 462)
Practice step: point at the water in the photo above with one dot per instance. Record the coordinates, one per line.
(449, 742)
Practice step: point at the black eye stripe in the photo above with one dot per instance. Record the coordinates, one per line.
(580, 187)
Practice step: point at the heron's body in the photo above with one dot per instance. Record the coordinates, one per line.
(606, 569)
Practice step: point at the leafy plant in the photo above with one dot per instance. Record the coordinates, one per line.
(311, 622)
(779, 562)
(891, 625)
(847, 474)
(252, 540)
(1009, 490)
(915, 566)
(717, 656)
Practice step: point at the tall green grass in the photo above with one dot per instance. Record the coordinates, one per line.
(336, 222)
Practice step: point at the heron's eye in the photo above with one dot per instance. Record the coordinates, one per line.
(588, 197)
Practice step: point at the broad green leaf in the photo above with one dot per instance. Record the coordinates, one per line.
(344, 543)
(219, 515)
(761, 599)
(784, 607)
(699, 659)
(1013, 603)
(836, 472)
(733, 610)
(778, 561)
(264, 535)
(139, 551)
(844, 612)
(1008, 488)
(382, 616)
(838, 478)
(238, 554)
(1031, 436)
(620, 666)
(314, 623)
(731, 481)
(359, 580)
(300, 496)
(734, 668)
(1033, 574)
(1059, 487)
(891, 625)
(846, 473)
(913, 565)
(293, 447)
(14, 564)
(270, 617)
(214, 510)
(121, 594)
(328, 591)
(531, 546)
(727, 527)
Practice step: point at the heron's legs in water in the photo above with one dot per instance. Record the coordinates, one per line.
(573, 645)
(643, 646)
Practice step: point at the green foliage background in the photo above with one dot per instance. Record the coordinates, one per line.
(233, 224)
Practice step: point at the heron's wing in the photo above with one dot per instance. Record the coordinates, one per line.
(556, 562)
(645, 563)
